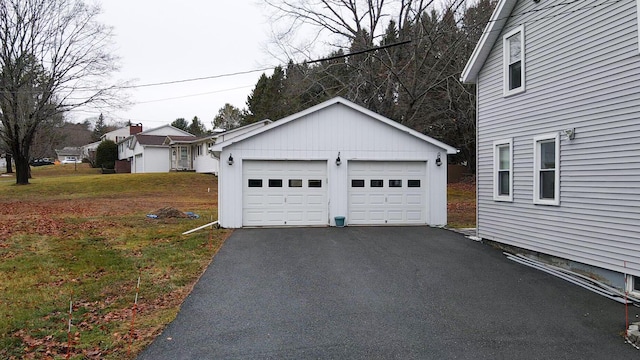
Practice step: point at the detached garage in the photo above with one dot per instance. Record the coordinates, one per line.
(334, 159)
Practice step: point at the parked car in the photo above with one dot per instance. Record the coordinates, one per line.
(41, 162)
(70, 161)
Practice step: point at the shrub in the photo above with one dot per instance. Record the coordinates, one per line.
(106, 155)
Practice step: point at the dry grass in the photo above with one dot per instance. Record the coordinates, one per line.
(461, 207)
(74, 234)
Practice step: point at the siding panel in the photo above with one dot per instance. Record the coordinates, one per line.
(583, 72)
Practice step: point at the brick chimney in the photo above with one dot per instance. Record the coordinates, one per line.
(134, 129)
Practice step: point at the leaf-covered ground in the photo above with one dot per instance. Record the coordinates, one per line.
(461, 207)
(81, 237)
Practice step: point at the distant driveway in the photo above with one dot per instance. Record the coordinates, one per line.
(384, 293)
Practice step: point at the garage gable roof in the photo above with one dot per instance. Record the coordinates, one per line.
(336, 100)
(488, 38)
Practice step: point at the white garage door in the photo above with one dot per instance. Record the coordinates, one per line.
(284, 193)
(138, 164)
(387, 192)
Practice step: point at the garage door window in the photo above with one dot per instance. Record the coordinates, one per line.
(377, 183)
(255, 182)
(395, 183)
(357, 183)
(413, 183)
(295, 183)
(315, 183)
(275, 182)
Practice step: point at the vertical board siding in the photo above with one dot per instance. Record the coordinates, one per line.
(321, 135)
(583, 72)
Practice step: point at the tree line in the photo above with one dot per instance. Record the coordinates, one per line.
(406, 68)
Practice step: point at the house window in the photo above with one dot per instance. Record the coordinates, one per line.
(357, 183)
(503, 170)
(413, 183)
(315, 183)
(255, 182)
(376, 183)
(275, 182)
(395, 183)
(514, 62)
(546, 178)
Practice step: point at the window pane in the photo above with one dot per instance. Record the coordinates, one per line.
(504, 158)
(636, 283)
(255, 182)
(275, 182)
(295, 182)
(548, 155)
(515, 75)
(547, 184)
(315, 183)
(357, 183)
(377, 183)
(413, 183)
(395, 183)
(514, 48)
(503, 183)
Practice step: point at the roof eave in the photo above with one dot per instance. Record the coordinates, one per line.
(487, 40)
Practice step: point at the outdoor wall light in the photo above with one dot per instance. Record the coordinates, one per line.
(230, 161)
(438, 160)
(338, 161)
(570, 133)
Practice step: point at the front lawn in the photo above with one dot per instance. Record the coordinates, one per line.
(76, 235)
(461, 204)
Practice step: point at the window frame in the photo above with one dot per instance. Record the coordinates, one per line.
(630, 283)
(496, 170)
(505, 62)
(537, 140)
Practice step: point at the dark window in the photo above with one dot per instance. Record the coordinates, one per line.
(377, 183)
(395, 183)
(255, 182)
(636, 283)
(275, 182)
(413, 183)
(515, 75)
(295, 182)
(315, 183)
(357, 183)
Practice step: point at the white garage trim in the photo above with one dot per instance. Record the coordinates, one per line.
(385, 192)
(284, 193)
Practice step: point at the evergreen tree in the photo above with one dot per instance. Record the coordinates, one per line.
(196, 127)
(106, 155)
(99, 129)
(181, 124)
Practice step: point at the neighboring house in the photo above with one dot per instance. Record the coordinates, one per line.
(147, 152)
(89, 151)
(558, 130)
(189, 154)
(334, 159)
(69, 155)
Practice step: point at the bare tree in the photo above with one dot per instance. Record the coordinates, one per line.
(54, 57)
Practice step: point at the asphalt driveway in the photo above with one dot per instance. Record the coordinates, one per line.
(384, 293)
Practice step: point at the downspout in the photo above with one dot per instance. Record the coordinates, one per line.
(477, 152)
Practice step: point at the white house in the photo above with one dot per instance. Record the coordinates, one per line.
(147, 152)
(334, 159)
(88, 151)
(192, 154)
(558, 129)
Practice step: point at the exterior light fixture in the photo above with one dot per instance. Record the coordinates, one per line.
(230, 161)
(570, 133)
(338, 161)
(438, 160)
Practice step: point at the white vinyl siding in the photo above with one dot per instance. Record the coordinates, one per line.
(503, 170)
(514, 61)
(546, 164)
(583, 73)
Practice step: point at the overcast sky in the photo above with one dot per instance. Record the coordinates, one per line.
(169, 40)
